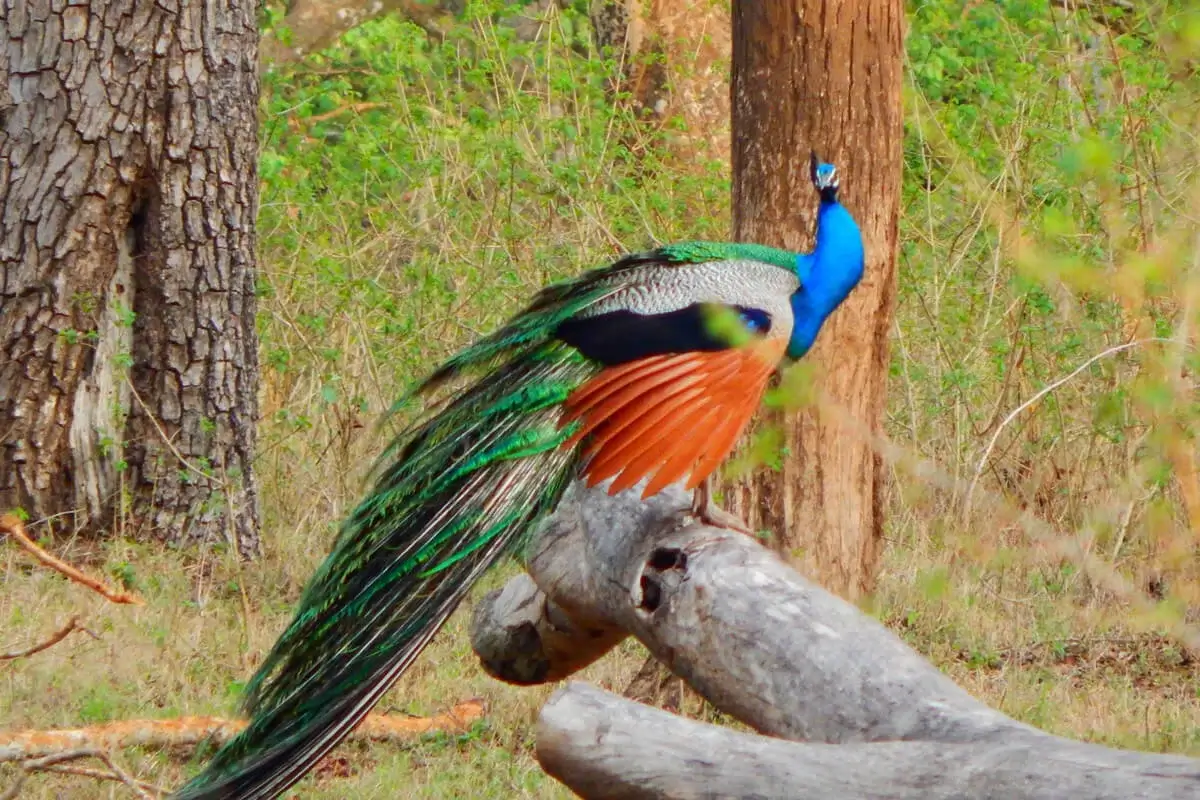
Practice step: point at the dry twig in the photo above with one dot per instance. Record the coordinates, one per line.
(11, 525)
(71, 626)
(101, 775)
(190, 731)
(351, 108)
(1045, 390)
(55, 761)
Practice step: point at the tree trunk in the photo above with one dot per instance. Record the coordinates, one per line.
(673, 56)
(128, 193)
(824, 75)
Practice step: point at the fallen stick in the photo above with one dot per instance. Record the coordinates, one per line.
(13, 526)
(71, 626)
(190, 731)
(777, 652)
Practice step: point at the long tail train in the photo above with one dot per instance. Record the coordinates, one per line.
(457, 490)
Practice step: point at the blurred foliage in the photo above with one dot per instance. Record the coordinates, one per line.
(418, 189)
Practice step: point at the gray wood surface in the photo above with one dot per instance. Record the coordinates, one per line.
(604, 746)
(772, 649)
(523, 637)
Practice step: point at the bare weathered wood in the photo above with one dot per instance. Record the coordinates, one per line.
(128, 194)
(523, 637)
(823, 74)
(603, 746)
(769, 647)
(746, 630)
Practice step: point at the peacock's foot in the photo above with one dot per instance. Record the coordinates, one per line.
(708, 512)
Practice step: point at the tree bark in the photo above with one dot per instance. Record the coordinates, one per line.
(128, 194)
(777, 652)
(823, 75)
(312, 25)
(673, 56)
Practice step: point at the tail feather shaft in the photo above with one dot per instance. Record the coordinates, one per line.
(457, 491)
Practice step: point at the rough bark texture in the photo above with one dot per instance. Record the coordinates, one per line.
(823, 74)
(312, 25)
(776, 651)
(674, 57)
(604, 747)
(128, 193)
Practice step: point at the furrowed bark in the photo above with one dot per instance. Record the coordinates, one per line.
(774, 650)
(128, 193)
(823, 75)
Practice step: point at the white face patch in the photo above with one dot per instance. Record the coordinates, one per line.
(662, 289)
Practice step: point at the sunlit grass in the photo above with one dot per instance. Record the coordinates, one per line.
(1048, 216)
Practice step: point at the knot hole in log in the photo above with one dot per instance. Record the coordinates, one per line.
(664, 572)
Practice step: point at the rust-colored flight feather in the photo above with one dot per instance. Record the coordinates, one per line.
(623, 440)
(671, 416)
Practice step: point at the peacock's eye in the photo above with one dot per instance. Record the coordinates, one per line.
(757, 320)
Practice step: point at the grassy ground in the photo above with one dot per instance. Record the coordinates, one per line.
(1037, 654)
(415, 192)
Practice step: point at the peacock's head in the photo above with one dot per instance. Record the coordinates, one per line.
(825, 179)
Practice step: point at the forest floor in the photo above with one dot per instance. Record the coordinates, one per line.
(1031, 652)
(415, 192)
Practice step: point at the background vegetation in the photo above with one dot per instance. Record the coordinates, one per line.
(415, 191)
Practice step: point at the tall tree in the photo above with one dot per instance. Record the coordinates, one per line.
(673, 56)
(128, 193)
(824, 74)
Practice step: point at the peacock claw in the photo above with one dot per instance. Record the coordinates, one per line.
(708, 512)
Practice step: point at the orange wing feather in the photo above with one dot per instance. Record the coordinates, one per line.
(636, 436)
(670, 416)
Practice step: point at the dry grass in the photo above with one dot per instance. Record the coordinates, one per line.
(1059, 589)
(193, 643)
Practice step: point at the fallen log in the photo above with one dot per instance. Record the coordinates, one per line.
(191, 731)
(775, 651)
(604, 746)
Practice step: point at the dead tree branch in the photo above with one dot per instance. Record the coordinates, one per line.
(774, 650)
(11, 525)
(603, 746)
(71, 626)
(190, 731)
(56, 762)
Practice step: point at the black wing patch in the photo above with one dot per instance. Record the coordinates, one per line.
(618, 337)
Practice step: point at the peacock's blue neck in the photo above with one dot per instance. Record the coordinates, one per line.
(827, 274)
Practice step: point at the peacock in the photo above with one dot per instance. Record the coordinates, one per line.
(642, 372)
